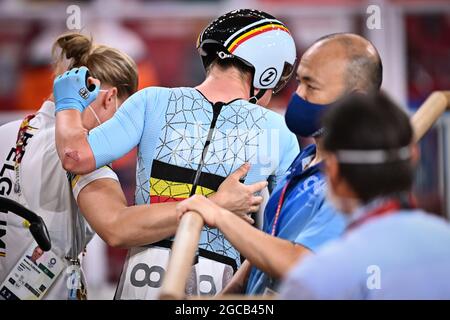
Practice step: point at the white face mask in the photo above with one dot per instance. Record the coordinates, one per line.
(95, 114)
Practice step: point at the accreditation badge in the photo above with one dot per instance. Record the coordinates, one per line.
(269, 292)
(32, 276)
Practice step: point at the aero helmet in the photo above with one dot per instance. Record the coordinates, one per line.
(258, 40)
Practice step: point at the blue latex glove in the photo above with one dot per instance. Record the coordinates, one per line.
(72, 91)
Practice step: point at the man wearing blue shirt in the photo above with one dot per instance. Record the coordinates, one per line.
(297, 220)
(391, 249)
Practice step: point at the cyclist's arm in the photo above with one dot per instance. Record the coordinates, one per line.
(81, 152)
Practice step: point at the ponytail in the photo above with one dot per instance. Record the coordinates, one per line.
(74, 47)
(109, 65)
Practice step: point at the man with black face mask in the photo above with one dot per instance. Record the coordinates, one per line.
(297, 219)
(391, 249)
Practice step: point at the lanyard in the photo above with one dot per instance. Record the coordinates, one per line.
(77, 289)
(279, 206)
(281, 201)
(20, 148)
(387, 208)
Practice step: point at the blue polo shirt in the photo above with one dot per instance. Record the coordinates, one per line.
(305, 219)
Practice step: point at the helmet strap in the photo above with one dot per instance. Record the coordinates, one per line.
(255, 98)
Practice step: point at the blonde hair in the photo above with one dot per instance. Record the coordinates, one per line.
(106, 64)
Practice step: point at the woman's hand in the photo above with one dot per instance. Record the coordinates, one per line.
(238, 197)
(75, 89)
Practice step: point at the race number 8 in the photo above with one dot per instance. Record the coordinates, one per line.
(147, 279)
(142, 275)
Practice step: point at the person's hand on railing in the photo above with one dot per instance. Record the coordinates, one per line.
(203, 206)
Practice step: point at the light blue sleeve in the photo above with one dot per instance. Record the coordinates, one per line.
(314, 278)
(299, 283)
(117, 136)
(288, 151)
(332, 273)
(324, 225)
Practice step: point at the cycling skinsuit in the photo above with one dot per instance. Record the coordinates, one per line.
(176, 130)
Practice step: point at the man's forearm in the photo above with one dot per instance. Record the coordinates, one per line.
(238, 283)
(272, 255)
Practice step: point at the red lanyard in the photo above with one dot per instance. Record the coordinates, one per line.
(388, 207)
(20, 148)
(280, 204)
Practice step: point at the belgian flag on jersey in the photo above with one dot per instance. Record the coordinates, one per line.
(173, 183)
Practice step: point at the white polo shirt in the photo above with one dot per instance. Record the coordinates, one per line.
(405, 255)
(46, 190)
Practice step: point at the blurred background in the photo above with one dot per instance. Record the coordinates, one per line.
(413, 38)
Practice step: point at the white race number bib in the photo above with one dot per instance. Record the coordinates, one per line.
(145, 269)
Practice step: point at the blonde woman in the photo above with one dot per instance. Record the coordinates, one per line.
(33, 176)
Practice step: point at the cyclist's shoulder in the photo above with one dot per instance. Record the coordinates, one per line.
(157, 92)
(274, 119)
(151, 91)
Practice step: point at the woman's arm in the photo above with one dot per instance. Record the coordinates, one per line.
(105, 208)
(79, 151)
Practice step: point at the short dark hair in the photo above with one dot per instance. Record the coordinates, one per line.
(224, 64)
(368, 122)
(364, 71)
